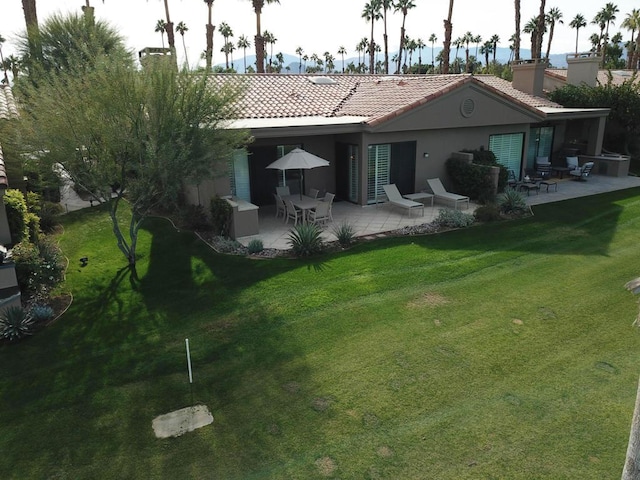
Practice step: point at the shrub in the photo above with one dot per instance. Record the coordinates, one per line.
(305, 240)
(471, 179)
(194, 217)
(39, 267)
(453, 218)
(33, 226)
(511, 201)
(227, 245)
(221, 213)
(487, 213)
(345, 233)
(15, 323)
(41, 313)
(16, 208)
(49, 213)
(255, 246)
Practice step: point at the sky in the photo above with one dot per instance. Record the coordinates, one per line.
(315, 25)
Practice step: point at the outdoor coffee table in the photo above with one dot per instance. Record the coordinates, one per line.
(528, 186)
(417, 197)
(561, 170)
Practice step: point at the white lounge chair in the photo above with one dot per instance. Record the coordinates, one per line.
(441, 194)
(396, 199)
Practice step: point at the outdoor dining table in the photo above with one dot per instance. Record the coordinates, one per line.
(303, 202)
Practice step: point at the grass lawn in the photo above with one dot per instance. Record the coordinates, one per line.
(499, 351)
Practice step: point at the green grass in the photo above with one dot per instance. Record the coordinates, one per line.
(500, 351)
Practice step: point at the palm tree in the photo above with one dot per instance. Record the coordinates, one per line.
(477, 39)
(608, 16)
(259, 43)
(305, 58)
(160, 27)
(466, 39)
(458, 42)
(299, 52)
(342, 52)
(420, 45)
(244, 43)
(531, 27)
(5, 65)
(578, 22)
(226, 32)
(15, 65)
(554, 16)
(486, 49)
(433, 39)
(494, 42)
(31, 22)
(539, 32)
(386, 6)
(631, 22)
(227, 49)
(363, 47)
(371, 13)
(328, 62)
(181, 28)
(403, 6)
(516, 37)
(411, 46)
(210, 29)
(448, 27)
(271, 40)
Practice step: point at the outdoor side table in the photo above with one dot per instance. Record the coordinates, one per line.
(417, 197)
(528, 186)
(561, 170)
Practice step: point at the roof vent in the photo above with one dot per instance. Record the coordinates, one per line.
(467, 107)
(322, 81)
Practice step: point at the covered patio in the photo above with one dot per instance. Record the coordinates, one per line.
(374, 220)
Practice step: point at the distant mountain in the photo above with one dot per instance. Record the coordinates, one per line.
(503, 55)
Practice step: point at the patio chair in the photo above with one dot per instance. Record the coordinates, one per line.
(328, 198)
(441, 194)
(544, 170)
(283, 191)
(320, 214)
(314, 192)
(512, 181)
(396, 199)
(293, 212)
(280, 206)
(572, 163)
(581, 173)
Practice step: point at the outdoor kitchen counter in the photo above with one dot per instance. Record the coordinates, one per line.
(610, 165)
(245, 218)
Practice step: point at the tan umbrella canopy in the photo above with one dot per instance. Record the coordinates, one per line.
(298, 159)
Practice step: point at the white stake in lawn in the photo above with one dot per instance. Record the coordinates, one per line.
(186, 341)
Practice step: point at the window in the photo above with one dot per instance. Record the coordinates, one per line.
(239, 175)
(379, 163)
(508, 150)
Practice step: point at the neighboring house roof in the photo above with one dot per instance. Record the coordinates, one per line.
(8, 110)
(355, 99)
(618, 77)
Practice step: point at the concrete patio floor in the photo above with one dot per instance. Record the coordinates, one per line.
(372, 220)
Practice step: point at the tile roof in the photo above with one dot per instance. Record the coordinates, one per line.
(375, 98)
(8, 110)
(617, 76)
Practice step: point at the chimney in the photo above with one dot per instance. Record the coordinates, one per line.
(528, 76)
(583, 68)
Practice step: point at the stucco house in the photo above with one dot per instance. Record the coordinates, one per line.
(9, 291)
(377, 129)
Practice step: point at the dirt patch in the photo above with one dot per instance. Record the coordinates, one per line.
(326, 466)
(517, 321)
(291, 387)
(428, 299)
(385, 452)
(179, 422)
(321, 404)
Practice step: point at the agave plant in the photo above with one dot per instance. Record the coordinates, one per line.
(15, 323)
(512, 201)
(305, 240)
(345, 233)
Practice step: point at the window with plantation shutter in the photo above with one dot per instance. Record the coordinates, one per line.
(239, 175)
(540, 144)
(354, 183)
(508, 150)
(378, 170)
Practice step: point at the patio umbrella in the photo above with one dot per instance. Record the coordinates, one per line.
(298, 159)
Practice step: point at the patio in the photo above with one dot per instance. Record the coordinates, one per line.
(373, 220)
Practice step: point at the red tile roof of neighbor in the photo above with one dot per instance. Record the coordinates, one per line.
(373, 97)
(618, 77)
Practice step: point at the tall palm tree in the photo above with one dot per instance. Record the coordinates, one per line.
(386, 6)
(402, 6)
(160, 28)
(516, 37)
(531, 27)
(608, 16)
(271, 40)
(494, 42)
(14, 64)
(486, 49)
(420, 45)
(31, 22)
(342, 52)
(210, 29)
(632, 23)
(259, 42)
(448, 27)
(433, 39)
(181, 27)
(371, 13)
(477, 39)
(169, 27)
(554, 16)
(539, 31)
(299, 51)
(226, 32)
(466, 39)
(578, 22)
(458, 43)
(243, 43)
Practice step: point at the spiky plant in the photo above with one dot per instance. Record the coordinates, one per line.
(15, 323)
(305, 240)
